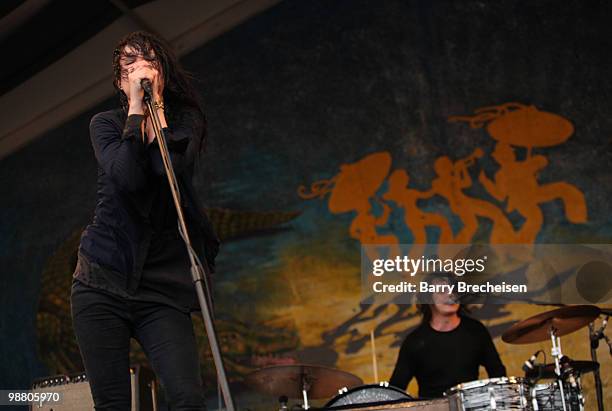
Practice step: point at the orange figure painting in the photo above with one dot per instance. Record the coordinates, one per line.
(415, 218)
(452, 178)
(351, 190)
(516, 181)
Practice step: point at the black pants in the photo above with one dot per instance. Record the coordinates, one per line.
(104, 324)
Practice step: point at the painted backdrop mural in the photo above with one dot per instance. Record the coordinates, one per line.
(513, 188)
(336, 124)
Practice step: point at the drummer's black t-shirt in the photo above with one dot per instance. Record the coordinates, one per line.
(441, 360)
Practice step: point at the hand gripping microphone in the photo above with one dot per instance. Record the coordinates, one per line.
(145, 83)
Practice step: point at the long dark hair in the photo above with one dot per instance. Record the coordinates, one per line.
(179, 92)
(426, 299)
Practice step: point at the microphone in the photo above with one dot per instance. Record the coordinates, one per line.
(600, 335)
(145, 83)
(529, 364)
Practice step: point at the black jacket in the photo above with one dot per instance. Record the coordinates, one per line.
(133, 204)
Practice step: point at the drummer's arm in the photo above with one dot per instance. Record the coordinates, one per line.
(490, 360)
(402, 374)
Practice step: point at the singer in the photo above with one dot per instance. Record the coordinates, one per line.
(447, 348)
(132, 278)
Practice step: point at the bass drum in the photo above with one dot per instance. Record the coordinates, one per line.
(367, 394)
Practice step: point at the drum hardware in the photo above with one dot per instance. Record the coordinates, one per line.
(530, 366)
(552, 325)
(301, 381)
(374, 362)
(547, 397)
(283, 400)
(571, 372)
(556, 353)
(305, 387)
(542, 371)
(594, 337)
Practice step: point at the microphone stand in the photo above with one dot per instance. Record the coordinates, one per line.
(199, 271)
(594, 337)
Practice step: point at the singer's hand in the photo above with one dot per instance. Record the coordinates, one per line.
(136, 72)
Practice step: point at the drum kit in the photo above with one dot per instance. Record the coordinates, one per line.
(301, 381)
(308, 382)
(561, 389)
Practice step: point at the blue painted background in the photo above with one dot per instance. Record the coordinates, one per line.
(308, 85)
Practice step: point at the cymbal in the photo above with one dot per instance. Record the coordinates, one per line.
(548, 370)
(321, 382)
(564, 321)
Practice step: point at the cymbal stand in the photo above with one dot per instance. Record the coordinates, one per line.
(556, 354)
(306, 384)
(594, 337)
(569, 374)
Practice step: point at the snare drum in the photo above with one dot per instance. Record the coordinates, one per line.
(547, 397)
(505, 393)
(368, 394)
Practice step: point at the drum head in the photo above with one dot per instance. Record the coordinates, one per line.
(367, 394)
(483, 383)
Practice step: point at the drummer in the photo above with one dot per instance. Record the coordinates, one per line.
(447, 348)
